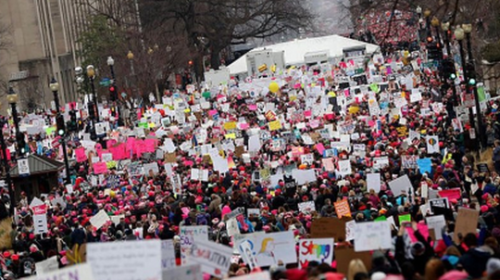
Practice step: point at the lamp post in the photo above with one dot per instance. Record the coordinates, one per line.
(445, 26)
(130, 57)
(7, 168)
(427, 14)
(459, 35)
(12, 98)
(91, 76)
(114, 93)
(54, 87)
(435, 24)
(472, 83)
(92, 108)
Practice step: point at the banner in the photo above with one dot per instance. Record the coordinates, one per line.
(185, 272)
(81, 271)
(320, 250)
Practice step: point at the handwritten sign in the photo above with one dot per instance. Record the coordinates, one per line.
(125, 260)
(342, 209)
(188, 236)
(185, 272)
(307, 207)
(99, 219)
(167, 254)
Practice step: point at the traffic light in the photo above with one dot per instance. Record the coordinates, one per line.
(434, 51)
(471, 74)
(72, 123)
(448, 69)
(113, 96)
(21, 143)
(61, 129)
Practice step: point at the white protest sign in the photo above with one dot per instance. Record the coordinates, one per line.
(40, 222)
(125, 260)
(232, 227)
(80, 271)
(401, 184)
(373, 181)
(47, 266)
(188, 235)
(349, 230)
(167, 254)
(372, 236)
(315, 249)
(185, 272)
(23, 166)
(437, 223)
(307, 207)
(264, 275)
(215, 259)
(99, 219)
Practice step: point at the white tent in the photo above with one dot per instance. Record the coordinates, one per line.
(296, 50)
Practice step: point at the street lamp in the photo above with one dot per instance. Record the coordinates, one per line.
(91, 76)
(114, 92)
(61, 129)
(92, 108)
(130, 57)
(13, 98)
(7, 168)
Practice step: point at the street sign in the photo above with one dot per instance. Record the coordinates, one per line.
(105, 82)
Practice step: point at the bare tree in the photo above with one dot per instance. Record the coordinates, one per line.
(5, 46)
(213, 25)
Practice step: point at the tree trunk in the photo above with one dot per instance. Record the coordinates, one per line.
(215, 58)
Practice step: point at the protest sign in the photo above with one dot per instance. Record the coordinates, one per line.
(466, 223)
(125, 260)
(344, 256)
(432, 144)
(373, 182)
(329, 227)
(316, 249)
(264, 275)
(437, 223)
(214, 258)
(424, 165)
(269, 248)
(188, 235)
(400, 185)
(342, 209)
(81, 271)
(372, 236)
(307, 207)
(451, 193)
(349, 230)
(47, 266)
(167, 254)
(99, 219)
(185, 272)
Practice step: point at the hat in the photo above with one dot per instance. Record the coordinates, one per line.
(417, 249)
(6, 254)
(378, 276)
(484, 208)
(15, 257)
(493, 265)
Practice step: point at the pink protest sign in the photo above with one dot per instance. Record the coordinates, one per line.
(80, 154)
(320, 148)
(40, 209)
(100, 168)
(451, 194)
(252, 107)
(150, 145)
(118, 152)
(130, 144)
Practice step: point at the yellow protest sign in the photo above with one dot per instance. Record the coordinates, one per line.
(275, 125)
(230, 136)
(230, 125)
